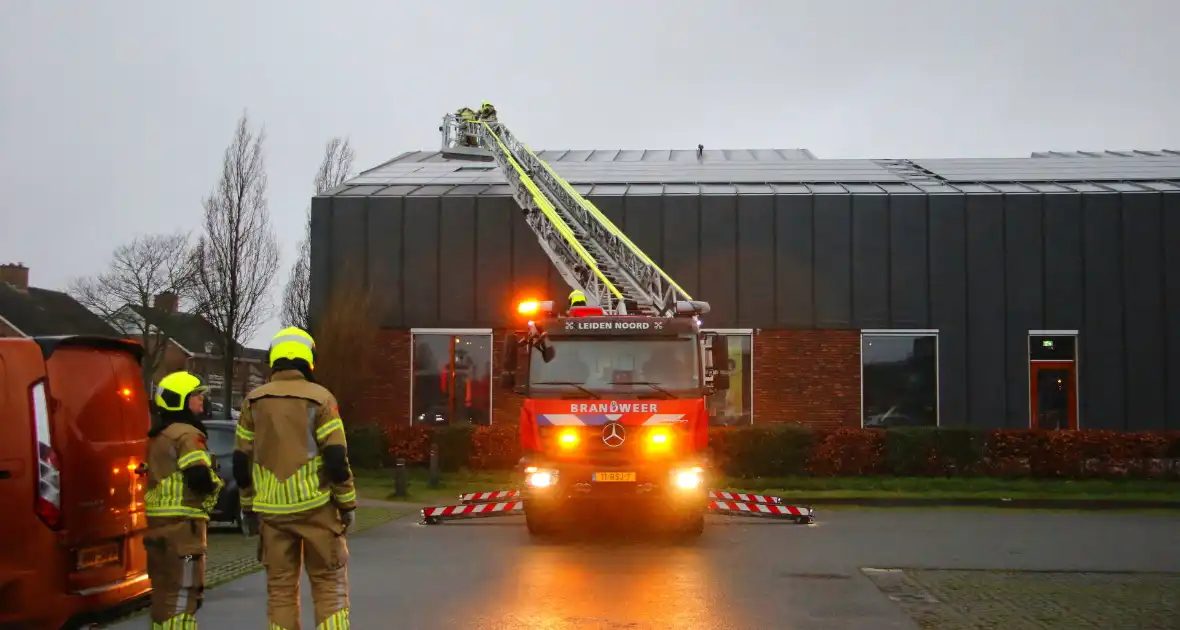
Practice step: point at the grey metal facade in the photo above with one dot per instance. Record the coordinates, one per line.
(984, 262)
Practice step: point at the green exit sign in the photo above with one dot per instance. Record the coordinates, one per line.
(1047, 343)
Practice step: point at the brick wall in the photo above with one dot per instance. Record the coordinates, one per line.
(807, 376)
(386, 398)
(811, 377)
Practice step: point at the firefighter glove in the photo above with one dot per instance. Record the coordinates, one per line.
(250, 522)
(348, 517)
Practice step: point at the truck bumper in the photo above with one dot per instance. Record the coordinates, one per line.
(651, 489)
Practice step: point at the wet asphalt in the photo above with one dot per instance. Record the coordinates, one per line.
(743, 573)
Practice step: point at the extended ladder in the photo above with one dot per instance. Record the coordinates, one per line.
(588, 250)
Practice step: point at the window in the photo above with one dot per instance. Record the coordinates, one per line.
(451, 382)
(626, 367)
(899, 378)
(735, 405)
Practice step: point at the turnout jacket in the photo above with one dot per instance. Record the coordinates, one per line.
(178, 448)
(290, 452)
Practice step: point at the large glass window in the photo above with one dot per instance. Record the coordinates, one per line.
(451, 378)
(736, 405)
(899, 378)
(666, 366)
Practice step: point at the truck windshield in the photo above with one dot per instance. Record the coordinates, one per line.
(623, 367)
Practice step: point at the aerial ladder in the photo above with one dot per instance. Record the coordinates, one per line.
(592, 255)
(588, 250)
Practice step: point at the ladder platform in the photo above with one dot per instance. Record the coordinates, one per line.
(470, 154)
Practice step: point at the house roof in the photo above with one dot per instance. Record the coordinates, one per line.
(38, 312)
(636, 172)
(192, 332)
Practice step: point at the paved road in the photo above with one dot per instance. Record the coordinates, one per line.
(742, 574)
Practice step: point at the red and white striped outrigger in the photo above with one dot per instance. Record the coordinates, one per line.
(722, 502)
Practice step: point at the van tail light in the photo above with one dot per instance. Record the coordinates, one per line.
(47, 505)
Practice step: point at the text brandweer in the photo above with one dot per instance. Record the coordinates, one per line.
(613, 407)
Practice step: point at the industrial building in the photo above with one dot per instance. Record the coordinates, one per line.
(1040, 291)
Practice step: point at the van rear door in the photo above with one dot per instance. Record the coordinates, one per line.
(16, 486)
(100, 422)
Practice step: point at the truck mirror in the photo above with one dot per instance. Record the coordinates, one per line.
(720, 351)
(509, 353)
(507, 380)
(721, 381)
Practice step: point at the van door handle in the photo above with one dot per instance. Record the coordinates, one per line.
(5, 474)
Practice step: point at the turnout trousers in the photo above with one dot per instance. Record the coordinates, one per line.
(314, 539)
(176, 567)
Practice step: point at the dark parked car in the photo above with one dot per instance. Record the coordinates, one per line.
(221, 444)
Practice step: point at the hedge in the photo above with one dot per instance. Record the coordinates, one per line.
(791, 450)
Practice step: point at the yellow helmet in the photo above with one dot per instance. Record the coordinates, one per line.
(577, 297)
(487, 104)
(173, 391)
(292, 343)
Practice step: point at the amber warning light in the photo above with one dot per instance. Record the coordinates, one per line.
(527, 308)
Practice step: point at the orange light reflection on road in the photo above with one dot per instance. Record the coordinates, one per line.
(640, 583)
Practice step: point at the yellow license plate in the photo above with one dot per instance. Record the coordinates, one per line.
(99, 555)
(613, 476)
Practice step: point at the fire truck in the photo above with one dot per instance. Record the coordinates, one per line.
(615, 391)
(614, 414)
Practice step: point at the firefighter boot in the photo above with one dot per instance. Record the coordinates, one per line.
(281, 552)
(176, 567)
(327, 568)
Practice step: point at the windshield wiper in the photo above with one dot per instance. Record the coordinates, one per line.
(650, 384)
(571, 384)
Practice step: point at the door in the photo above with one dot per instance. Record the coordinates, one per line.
(1053, 395)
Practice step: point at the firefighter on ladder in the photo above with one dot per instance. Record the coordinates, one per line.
(291, 464)
(468, 115)
(487, 112)
(182, 489)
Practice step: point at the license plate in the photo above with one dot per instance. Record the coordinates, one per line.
(99, 555)
(613, 476)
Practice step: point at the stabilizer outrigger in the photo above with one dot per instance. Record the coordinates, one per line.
(494, 503)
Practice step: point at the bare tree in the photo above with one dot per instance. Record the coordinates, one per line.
(346, 336)
(237, 257)
(334, 169)
(123, 294)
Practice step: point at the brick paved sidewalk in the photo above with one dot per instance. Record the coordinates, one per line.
(1011, 600)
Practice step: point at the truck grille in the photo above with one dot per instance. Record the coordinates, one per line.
(591, 446)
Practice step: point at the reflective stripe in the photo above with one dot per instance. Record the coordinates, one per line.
(336, 621)
(245, 434)
(299, 492)
(167, 498)
(323, 432)
(346, 497)
(300, 339)
(195, 457)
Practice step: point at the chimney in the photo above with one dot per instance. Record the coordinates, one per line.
(16, 274)
(166, 302)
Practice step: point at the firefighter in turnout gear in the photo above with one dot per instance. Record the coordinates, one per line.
(468, 115)
(577, 298)
(291, 464)
(182, 489)
(487, 112)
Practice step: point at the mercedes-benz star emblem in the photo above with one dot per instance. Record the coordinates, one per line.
(613, 434)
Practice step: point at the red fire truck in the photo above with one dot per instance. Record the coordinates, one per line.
(614, 413)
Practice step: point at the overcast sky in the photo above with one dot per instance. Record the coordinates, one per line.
(114, 114)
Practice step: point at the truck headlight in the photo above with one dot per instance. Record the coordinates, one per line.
(540, 478)
(687, 478)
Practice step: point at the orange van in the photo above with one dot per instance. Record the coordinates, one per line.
(74, 419)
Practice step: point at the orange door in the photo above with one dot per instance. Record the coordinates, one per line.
(1053, 395)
